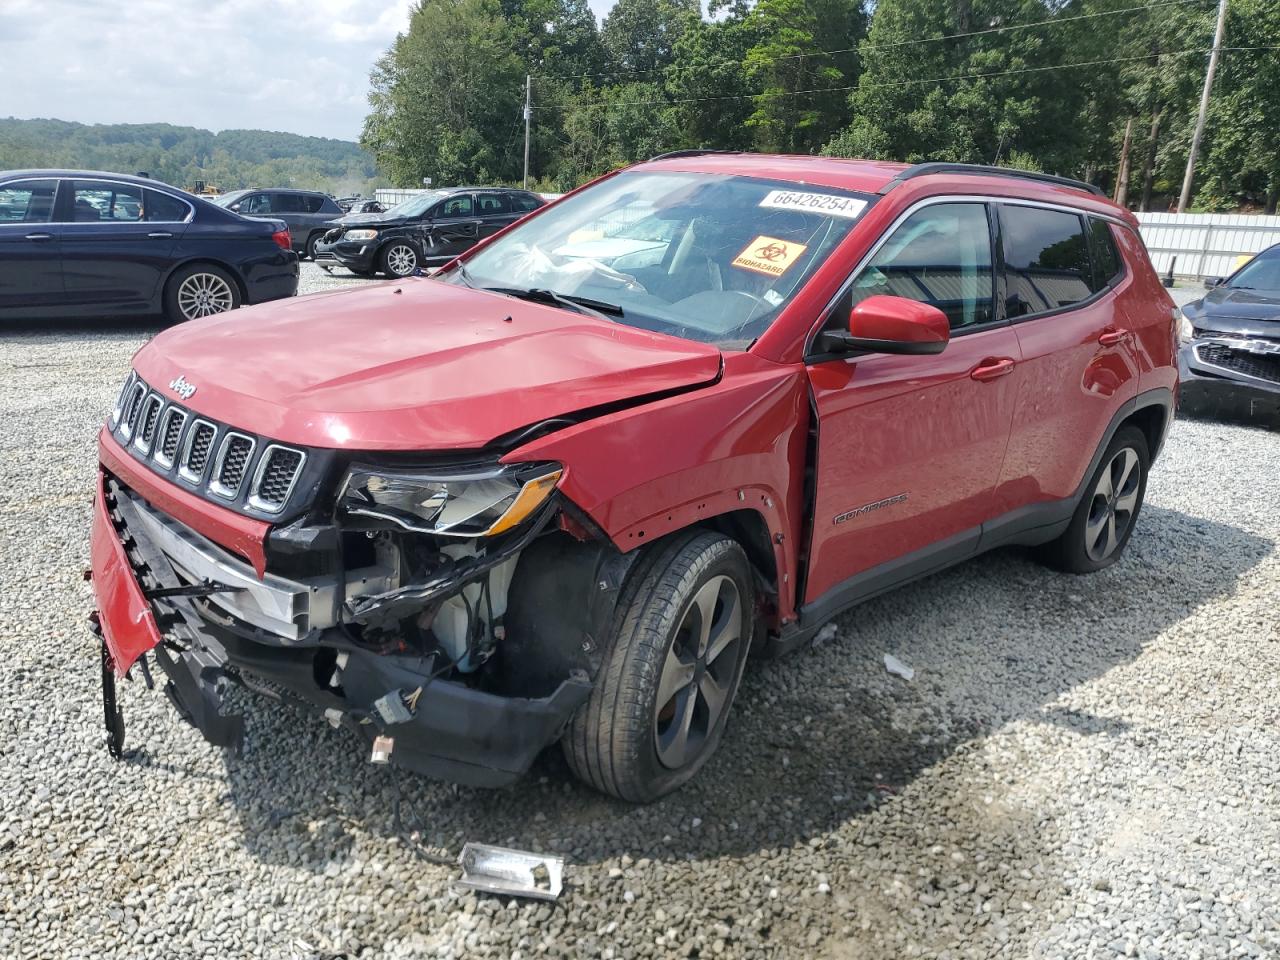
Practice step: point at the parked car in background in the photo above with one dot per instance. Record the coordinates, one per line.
(308, 213)
(425, 230)
(548, 496)
(79, 243)
(1230, 355)
(366, 206)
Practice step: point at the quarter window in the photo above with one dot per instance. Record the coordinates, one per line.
(1102, 250)
(940, 255)
(29, 201)
(1046, 258)
(96, 201)
(524, 202)
(161, 208)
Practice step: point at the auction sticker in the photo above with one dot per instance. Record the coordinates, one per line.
(769, 255)
(825, 203)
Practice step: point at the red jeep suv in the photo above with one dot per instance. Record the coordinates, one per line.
(562, 489)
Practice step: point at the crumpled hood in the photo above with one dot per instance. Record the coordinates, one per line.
(412, 365)
(373, 219)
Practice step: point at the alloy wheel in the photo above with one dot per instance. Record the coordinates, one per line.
(1114, 502)
(699, 672)
(401, 260)
(204, 294)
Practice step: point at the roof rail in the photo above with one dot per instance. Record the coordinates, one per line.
(977, 169)
(674, 154)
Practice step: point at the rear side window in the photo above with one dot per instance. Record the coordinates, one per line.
(1046, 258)
(940, 255)
(28, 201)
(1107, 267)
(288, 203)
(161, 208)
(493, 205)
(99, 201)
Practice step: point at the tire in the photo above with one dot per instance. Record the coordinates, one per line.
(200, 290)
(624, 741)
(1108, 512)
(310, 251)
(399, 259)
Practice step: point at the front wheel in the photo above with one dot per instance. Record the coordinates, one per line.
(680, 640)
(310, 252)
(398, 259)
(1104, 520)
(200, 290)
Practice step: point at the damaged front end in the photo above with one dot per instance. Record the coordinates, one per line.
(452, 617)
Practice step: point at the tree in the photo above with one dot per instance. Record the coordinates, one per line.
(446, 98)
(640, 36)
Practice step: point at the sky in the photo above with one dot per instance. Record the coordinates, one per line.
(300, 66)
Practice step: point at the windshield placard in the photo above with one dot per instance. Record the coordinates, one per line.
(769, 255)
(830, 204)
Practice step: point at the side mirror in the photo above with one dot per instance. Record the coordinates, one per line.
(1211, 282)
(234, 208)
(892, 325)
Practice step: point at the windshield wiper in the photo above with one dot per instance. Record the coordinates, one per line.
(585, 305)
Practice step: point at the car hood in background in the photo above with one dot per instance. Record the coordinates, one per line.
(1235, 310)
(412, 365)
(369, 219)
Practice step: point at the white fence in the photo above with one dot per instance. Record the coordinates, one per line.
(1205, 244)
(390, 196)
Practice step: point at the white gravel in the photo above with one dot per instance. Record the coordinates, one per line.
(1080, 767)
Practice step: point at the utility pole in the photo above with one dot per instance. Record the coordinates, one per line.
(529, 113)
(1122, 176)
(1185, 198)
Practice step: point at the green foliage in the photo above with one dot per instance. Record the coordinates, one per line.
(182, 155)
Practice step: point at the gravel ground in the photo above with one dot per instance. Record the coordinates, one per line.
(1081, 767)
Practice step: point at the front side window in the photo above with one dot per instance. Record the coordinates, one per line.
(27, 201)
(455, 207)
(256, 204)
(940, 255)
(1046, 258)
(708, 257)
(96, 201)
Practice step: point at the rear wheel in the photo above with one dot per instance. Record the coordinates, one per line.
(200, 290)
(681, 637)
(1104, 520)
(398, 259)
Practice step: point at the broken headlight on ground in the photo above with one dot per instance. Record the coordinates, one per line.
(480, 503)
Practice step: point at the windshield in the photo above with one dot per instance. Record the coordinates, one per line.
(1262, 273)
(707, 257)
(415, 205)
(226, 199)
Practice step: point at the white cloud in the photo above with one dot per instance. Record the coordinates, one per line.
(296, 65)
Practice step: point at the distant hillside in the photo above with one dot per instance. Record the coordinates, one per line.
(181, 155)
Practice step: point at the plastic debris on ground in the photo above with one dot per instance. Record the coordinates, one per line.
(897, 667)
(507, 872)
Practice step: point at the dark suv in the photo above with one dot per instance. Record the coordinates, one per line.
(563, 489)
(309, 213)
(425, 230)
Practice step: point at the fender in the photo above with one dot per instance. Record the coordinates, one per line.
(737, 444)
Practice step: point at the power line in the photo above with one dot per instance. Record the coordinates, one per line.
(901, 83)
(895, 44)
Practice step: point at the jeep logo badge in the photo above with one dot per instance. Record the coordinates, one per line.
(181, 387)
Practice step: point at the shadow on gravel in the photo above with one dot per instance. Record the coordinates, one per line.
(816, 742)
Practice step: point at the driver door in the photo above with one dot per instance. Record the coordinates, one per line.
(910, 447)
(454, 228)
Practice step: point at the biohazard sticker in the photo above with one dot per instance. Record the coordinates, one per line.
(769, 255)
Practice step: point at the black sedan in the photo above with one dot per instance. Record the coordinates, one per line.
(429, 229)
(1230, 357)
(75, 243)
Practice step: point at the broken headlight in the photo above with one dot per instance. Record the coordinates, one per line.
(479, 504)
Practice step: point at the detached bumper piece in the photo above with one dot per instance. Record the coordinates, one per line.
(511, 873)
(454, 732)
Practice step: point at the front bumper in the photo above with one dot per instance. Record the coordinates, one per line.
(456, 732)
(348, 253)
(1209, 390)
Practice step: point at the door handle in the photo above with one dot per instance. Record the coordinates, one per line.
(1112, 338)
(160, 235)
(39, 236)
(992, 368)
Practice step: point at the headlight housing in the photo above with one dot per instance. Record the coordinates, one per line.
(480, 503)
(359, 234)
(1186, 332)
